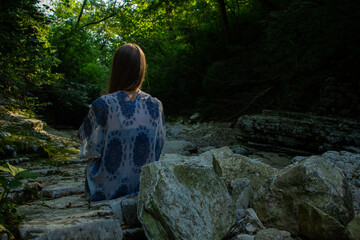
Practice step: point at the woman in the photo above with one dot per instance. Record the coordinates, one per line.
(123, 130)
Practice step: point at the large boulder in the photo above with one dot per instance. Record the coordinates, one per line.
(183, 198)
(232, 166)
(313, 181)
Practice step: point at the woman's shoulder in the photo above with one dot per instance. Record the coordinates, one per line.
(148, 98)
(101, 101)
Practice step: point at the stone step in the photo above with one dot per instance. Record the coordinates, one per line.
(71, 223)
(73, 217)
(63, 188)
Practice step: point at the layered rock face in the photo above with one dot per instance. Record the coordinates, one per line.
(298, 133)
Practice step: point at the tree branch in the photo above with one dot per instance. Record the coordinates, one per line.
(81, 13)
(101, 20)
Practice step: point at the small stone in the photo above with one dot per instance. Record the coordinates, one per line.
(250, 228)
(272, 234)
(242, 193)
(129, 211)
(240, 214)
(253, 223)
(243, 236)
(194, 117)
(239, 150)
(209, 135)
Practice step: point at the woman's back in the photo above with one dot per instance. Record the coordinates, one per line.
(120, 136)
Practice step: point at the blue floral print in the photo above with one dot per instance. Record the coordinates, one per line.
(113, 155)
(153, 109)
(101, 111)
(141, 149)
(120, 136)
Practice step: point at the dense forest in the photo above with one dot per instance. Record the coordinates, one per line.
(222, 58)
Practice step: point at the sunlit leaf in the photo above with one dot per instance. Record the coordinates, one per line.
(11, 169)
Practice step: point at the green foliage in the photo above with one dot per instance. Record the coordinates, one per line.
(26, 58)
(254, 54)
(83, 74)
(8, 217)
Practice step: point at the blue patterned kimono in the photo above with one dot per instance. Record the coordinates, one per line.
(118, 137)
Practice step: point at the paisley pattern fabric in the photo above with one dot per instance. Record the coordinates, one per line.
(118, 137)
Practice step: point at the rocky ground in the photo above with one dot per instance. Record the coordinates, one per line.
(201, 137)
(62, 213)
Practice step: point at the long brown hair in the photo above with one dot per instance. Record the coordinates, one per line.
(128, 68)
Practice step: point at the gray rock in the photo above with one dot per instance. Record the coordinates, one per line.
(64, 188)
(272, 234)
(247, 222)
(253, 224)
(239, 150)
(115, 205)
(73, 201)
(70, 223)
(177, 147)
(314, 181)
(243, 236)
(129, 211)
(183, 199)
(232, 166)
(35, 124)
(242, 192)
(240, 214)
(175, 131)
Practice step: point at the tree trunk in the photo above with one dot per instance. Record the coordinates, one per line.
(224, 20)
